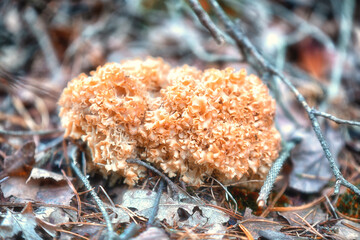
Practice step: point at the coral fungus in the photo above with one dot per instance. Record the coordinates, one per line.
(189, 123)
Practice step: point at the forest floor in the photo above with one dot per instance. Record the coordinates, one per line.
(313, 44)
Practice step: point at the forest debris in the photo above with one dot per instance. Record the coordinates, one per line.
(53, 215)
(269, 234)
(37, 190)
(14, 223)
(175, 213)
(21, 162)
(152, 233)
(312, 216)
(311, 170)
(347, 229)
(255, 224)
(17, 187)
(37, 173)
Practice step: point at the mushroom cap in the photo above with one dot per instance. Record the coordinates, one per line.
(189, 123)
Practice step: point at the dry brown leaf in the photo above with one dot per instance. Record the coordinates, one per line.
(21, 162)
(37, 173)
(175, 213)
(37, 190)
(314, 215)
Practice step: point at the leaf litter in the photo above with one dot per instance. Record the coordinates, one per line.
(182, 212)
(85, 35)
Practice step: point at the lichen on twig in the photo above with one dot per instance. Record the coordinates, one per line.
(205, 20)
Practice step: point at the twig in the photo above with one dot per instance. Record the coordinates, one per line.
(346, 21)
(333, 118)
(72, 187)
(273, 173)
(206, 21)
(36, 204)
(156, 203)
(331, 207)
(251, 53)
(227, 192)
(99, 203)
(30, 133)
(173, 186)
(310, 226)
(107, 196)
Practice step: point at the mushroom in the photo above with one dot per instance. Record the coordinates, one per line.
(189, 123)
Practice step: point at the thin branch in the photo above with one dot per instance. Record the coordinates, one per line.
(156, 203)
(99, 203)
(173, 186)
(251, 53)
(227, 192)
(30, 133)
(333, 211)
(335, 119)
(72, 187)
(206, 21)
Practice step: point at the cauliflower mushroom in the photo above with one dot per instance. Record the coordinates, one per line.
(189, 123)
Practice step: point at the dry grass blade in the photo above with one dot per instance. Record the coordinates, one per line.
(75, 192)
(246, 231)
(297, 208)
(310, 226)
(347, 217)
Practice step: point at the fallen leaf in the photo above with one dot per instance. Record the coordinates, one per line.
(52, 215)
(15, 223)
(311, 169)
(119, 215)
(37, 190)
(37, 173)
(190, 214)
(21, 162)
(342, 229)
(16, 186)
(60, 194)
(312, 216)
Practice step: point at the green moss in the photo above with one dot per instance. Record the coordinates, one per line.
(349, 204)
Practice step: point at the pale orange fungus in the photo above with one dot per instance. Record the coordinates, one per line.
(187, 122)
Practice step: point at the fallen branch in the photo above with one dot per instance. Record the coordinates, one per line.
(206, 21)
